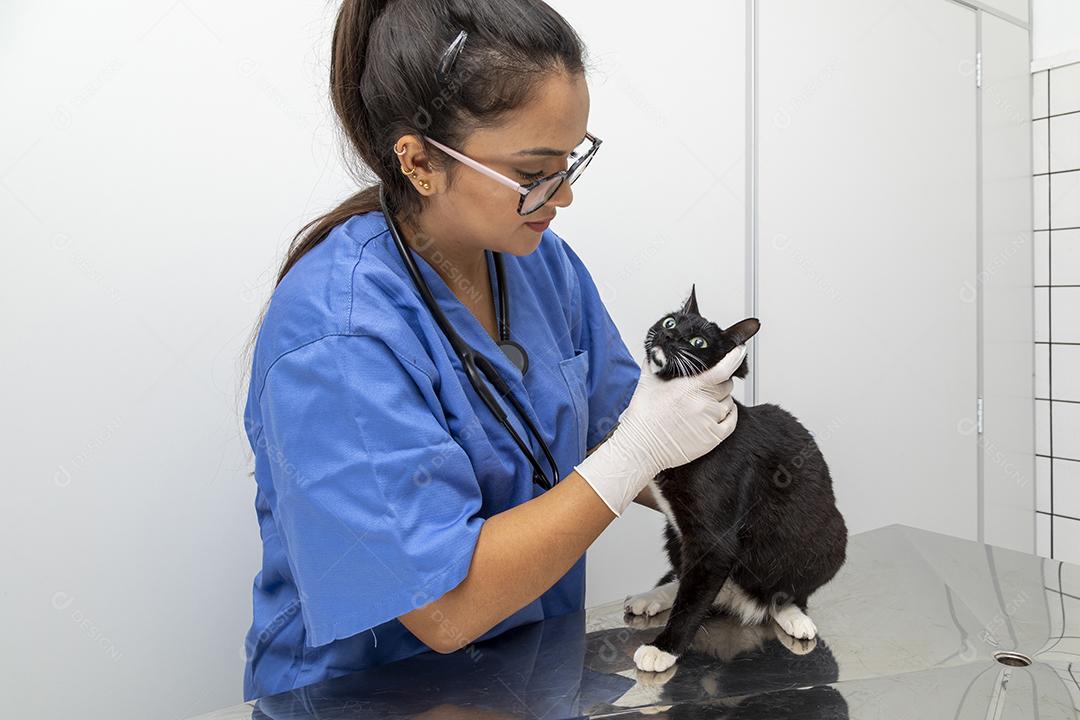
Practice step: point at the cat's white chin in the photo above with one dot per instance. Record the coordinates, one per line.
(657, 359)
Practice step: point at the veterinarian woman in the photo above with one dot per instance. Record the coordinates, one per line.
(399, 513)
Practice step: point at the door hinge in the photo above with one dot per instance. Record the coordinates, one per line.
(978, 69)
(979, 416)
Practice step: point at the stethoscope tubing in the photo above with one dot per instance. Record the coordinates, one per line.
(471, 360)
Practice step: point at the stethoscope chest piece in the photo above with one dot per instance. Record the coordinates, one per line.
(516, 353)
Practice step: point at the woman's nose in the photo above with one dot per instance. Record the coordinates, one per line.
(563, 196)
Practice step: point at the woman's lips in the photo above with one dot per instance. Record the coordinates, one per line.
(540, 226)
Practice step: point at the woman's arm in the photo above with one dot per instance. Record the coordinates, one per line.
(520, 553)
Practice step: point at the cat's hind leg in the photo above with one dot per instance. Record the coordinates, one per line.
(794, 621)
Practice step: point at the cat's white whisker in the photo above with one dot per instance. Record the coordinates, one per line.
(680, 364)
(700, 363)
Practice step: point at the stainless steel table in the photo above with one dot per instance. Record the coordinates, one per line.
(915, 625)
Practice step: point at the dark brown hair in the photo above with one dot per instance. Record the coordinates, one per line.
(383, 85)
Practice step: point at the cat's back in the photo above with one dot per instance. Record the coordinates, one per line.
(769, 422)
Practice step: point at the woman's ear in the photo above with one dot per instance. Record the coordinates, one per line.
(415, 163)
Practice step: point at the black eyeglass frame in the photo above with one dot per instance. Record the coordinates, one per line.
(575, 170)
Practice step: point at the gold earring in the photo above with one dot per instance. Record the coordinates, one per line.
(411, 173)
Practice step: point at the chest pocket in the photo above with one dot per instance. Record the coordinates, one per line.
(575, 372)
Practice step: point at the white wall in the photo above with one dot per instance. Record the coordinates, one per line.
(160, 159)
(155, 160)
(1055, 29)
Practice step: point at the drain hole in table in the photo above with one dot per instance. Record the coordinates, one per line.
(1012, 659)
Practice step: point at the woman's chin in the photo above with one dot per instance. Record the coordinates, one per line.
(525, 241)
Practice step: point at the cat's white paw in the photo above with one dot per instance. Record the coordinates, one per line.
(643, 604)
(652, 659)
(795, 622)
(794, 645)
(653, 602)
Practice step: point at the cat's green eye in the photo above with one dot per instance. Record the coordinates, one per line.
(669, 322)
(698, 342)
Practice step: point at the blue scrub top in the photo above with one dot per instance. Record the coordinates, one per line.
(376, 462)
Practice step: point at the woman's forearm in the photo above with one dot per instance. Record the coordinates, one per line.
(519, 554)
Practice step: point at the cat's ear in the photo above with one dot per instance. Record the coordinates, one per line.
(690, 306)
(743, 330)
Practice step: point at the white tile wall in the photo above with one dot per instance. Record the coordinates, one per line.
(1042, 427)
(1064, 197)
(1065, 429)
(1042, 258)
(1042, 484)
(1065, 129)
(1040, 147)
(1065, 533)
(1040, 94)
(1042, 314)
(1064, 248)
(1042, 371)
(1066, 487)
(1040, 188)
(1065, 314)
(1055, 106)
(1064, 89)
(1066, 359)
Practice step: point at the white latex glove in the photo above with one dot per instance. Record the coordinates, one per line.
(666, 424)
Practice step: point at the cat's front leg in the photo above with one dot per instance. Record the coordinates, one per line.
(698, 585)
(653, 601)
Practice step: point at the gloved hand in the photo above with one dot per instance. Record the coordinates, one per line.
(666, 424)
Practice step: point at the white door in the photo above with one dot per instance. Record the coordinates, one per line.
(1005, 288)
(866, 239)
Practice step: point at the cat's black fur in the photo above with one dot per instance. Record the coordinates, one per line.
(759, 507)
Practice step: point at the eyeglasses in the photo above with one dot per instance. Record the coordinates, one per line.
(537, 192)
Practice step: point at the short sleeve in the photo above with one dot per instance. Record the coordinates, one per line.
(375, 501)
(613, 372)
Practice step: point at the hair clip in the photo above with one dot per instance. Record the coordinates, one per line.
(446, 64)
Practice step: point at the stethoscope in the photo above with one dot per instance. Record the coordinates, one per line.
(471, 360)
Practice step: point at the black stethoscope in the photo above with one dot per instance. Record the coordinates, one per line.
(471, 360)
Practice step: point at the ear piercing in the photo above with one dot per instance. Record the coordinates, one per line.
(411, 173)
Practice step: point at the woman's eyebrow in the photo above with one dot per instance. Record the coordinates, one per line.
(542, 151)
(546, 151)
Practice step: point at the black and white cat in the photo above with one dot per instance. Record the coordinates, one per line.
(752, 526)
